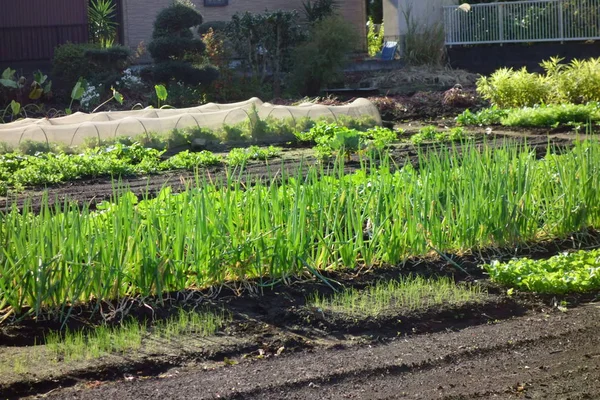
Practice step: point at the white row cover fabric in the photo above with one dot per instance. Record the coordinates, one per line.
(74, 129)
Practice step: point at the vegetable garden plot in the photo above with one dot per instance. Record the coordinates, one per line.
(214, 233)
(75, 129)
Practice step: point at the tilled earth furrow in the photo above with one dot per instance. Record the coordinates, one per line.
(502, 360)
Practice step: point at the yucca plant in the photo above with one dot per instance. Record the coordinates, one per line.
(103, 28)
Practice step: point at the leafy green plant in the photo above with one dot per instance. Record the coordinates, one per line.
(239, 156)
(487, 116)
(76, 94)
(188, 160)
(161, 93)
(431, 134)
(342, 142)
(564, 273)
(577, 82)
(508, 88)
(549, 116)
(379, 138)
(116, 96)
(553, 115)
(18, 91)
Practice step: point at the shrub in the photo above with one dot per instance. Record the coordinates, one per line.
(176, 20)
(174, 49)
(89, 61)
(577, 82)
(216, 26)
(182, 71)
(265, 42)
(108, 64)
(320, 60)
(70, 63)
(374, 38)
(508, 88)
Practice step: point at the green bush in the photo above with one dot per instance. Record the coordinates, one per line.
(70, 63)
(216, 26)
(264, 42)
(167, 48)
(175, 50)
(96, 65)
(320, 60)
(176, 20)
(577, 82)
(181, 71)
(508, 88)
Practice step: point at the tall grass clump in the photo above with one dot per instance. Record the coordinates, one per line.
(478, 197)
(424, 41)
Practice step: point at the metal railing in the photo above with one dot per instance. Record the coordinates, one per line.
(522, 21)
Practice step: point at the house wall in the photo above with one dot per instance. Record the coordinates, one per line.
(139, 16)
(30, 30)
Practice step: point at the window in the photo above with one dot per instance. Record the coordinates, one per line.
(215, 3)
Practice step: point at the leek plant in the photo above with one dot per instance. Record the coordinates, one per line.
(213, 232)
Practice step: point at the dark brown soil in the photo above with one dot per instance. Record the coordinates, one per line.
(552, 355)
(92, 191)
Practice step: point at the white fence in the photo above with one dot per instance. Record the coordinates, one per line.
(522, 21)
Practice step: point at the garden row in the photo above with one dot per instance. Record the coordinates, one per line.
(67, 255)
(36, 164)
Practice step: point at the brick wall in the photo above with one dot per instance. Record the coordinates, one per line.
(139, 15)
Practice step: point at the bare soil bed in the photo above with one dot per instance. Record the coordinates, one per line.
(544, 355)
